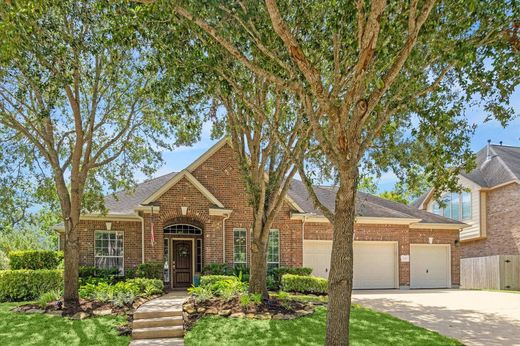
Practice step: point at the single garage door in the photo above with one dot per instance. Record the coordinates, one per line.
(430, 266)
(375, 263)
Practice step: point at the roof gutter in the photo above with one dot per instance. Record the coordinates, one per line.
(311, 217)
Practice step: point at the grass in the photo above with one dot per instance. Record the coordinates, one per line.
(305, 297)
(40, 329)
(367, 327)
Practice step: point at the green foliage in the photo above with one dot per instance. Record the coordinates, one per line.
(27, 284)
(223, 286)
(48, 297)
(279, 272)
(250, 299)
(35, 259)
(200, 294)
(123, 292)
(149, 270)
(304, 284)
(394, 196)
(93, 275)
(208, 280)
(215, 269)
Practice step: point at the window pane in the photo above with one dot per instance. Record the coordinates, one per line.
(436, 208)
(455, 206)
(273, 249)
(108, 250)
(239, 245)
(466, 205)
(198, 267)
(166, 267)
(446, 211)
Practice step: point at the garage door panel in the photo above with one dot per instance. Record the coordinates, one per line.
(375, 263)
(429, 266)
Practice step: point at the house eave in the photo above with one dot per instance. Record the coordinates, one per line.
(310, 217)
(446, 226)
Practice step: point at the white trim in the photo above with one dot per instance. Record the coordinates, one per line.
(446, 226)
(110, 217)
(500, 185)
(147, 209)
(207, 154)
(175, 179)
(123, 250)
(359, 219)
(220, 212)
(448, 259)
(293, 204)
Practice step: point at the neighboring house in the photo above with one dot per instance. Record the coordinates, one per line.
(201, 215)
(490, 205)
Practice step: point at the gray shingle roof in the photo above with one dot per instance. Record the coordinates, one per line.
(124, 202)
(502, 166)
(366, 205)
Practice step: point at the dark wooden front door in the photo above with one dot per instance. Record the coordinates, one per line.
(182, 263)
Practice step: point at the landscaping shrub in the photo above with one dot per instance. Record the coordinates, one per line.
(224, 286)
(200, 294)
(27, 284)
(94, 276)
(215, 269)
(304, 284)
(149, 270)
(122, 292)
(48, 297)
(208, 280)
(34, 259)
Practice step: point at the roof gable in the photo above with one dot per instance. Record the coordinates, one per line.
(174, 180)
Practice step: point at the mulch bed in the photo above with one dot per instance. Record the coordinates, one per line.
(87, 308)
(274, 308)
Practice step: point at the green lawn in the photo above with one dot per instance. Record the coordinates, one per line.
(367, 328)
(37, 329)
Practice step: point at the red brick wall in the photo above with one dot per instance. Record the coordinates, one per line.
(132, 240)
(503, 225)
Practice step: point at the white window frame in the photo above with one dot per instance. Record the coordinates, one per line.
(122, 252)
(277, 263)
(234, 247)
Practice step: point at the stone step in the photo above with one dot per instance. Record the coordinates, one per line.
(158, 342)
(158, 322)
(158, 332)
(143, 313)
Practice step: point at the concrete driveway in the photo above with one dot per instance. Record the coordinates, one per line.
(473, 317)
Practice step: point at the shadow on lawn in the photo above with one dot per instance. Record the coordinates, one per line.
(367, 328)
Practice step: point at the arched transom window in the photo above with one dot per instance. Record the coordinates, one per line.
(182, 229)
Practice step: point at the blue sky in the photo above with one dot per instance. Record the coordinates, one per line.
(183, 156)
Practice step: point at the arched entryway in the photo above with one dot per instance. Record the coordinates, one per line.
(182, 253)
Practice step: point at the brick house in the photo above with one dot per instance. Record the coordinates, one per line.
(201, 215)
(489, 205)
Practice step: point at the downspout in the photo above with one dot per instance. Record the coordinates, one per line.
(303, 234)
(224, 237)
(142, 237)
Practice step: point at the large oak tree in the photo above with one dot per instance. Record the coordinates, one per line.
(384, 85)
(82, 106)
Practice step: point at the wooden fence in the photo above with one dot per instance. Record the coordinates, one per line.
(500, 272)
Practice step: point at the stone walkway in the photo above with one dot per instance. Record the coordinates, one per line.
(159, 321)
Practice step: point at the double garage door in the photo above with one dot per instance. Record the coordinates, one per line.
(376, 264)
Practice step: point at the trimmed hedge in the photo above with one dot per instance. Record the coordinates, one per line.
(208, 280)
(35, 259)
(304, 284)
(281, 271)
(27, 284)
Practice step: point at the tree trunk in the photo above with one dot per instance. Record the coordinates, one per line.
(258, 268)
(71, 268)
(341, 267)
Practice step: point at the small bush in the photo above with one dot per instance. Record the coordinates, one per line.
(34, 259)
(304, 284)
(277, 274)
(94, 276)
(149, 270)
(16, 285)
(123, 292)
(48, 297)
(215, 269)
(200, 294)
(208, 280)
